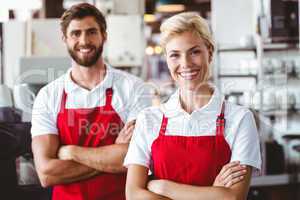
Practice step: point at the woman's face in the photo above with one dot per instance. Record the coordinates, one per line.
(188, 60)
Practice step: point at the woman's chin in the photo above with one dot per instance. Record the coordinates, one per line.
(193, 87)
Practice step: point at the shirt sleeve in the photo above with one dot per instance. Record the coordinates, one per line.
(138, 151)
(141, 98)
(43, 118)
(246, 145)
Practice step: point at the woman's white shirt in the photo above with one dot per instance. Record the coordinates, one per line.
(240, 130)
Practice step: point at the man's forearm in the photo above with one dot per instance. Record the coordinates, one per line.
(105, 158)
(62, 172)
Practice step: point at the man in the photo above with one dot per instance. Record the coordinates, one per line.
(82, 122)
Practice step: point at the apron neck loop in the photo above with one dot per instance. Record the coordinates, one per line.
(63, 100)
(109, 93)
(221, 115)
(220, 122)
(163, 127)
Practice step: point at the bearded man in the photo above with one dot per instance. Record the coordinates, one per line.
(82, 122)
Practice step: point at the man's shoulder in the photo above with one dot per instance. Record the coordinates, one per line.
(124, 76)
(53, 87)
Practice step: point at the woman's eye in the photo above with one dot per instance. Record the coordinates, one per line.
(174, 55)
(196, 52)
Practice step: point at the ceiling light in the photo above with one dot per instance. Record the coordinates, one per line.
(170, 6)
(148, 18)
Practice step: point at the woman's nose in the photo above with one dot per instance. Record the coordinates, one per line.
(185, 61)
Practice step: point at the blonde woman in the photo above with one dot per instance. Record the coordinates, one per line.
(197, 145)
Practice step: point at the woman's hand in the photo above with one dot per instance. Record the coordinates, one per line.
(126, 133)
(230, 174)
(65, 152)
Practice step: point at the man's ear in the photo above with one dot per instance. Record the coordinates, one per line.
(104, 34)
(64, 38)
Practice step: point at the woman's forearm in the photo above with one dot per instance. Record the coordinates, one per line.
(136, 184)
(141, 193)
(178, 191)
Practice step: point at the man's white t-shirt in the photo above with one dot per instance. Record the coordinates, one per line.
(240, 129)
(130, 96)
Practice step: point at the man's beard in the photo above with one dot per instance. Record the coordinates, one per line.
(86, 61)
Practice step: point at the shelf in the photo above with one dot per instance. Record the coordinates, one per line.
(266, 47)
(281, 76)
(290, 134)
(237, 75)
(230, 49)
(279, 112)
(273, 180)
(280, 47)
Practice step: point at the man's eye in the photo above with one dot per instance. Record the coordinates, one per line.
(93, 32)
(75, 34)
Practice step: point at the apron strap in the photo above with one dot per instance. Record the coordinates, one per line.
(109, 94)
(220, 122)
(63, 101)
(163, 126)
(221, 115)
(220, 137)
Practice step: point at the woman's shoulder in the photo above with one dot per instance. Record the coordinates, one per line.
(151, 112)
(236, 112)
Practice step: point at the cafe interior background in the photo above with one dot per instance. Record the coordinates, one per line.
(256, 64)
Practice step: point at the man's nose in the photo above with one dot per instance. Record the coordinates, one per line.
(83, 39)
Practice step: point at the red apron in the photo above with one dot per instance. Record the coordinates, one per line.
(90, 127)
(192, 160)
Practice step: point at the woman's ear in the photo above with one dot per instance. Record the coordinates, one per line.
(210, 57)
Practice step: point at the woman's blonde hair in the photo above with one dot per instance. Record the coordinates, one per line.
(186, 22)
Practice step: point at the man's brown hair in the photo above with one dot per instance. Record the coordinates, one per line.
(79, 11)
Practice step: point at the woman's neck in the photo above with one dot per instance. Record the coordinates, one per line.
(191, 100)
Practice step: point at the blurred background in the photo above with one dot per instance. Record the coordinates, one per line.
(256, 64)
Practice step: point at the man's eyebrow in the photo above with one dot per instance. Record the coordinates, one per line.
(79, 30)
(75, 31)
(92, 29)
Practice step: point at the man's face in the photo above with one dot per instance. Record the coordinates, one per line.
(84, 41)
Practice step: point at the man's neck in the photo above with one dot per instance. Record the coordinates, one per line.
(88, 77)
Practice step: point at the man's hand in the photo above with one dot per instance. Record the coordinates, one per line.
(230, 174)
(126, 133)
(65, 152)
(157, 186)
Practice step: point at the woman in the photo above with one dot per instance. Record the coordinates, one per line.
(185, 142)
